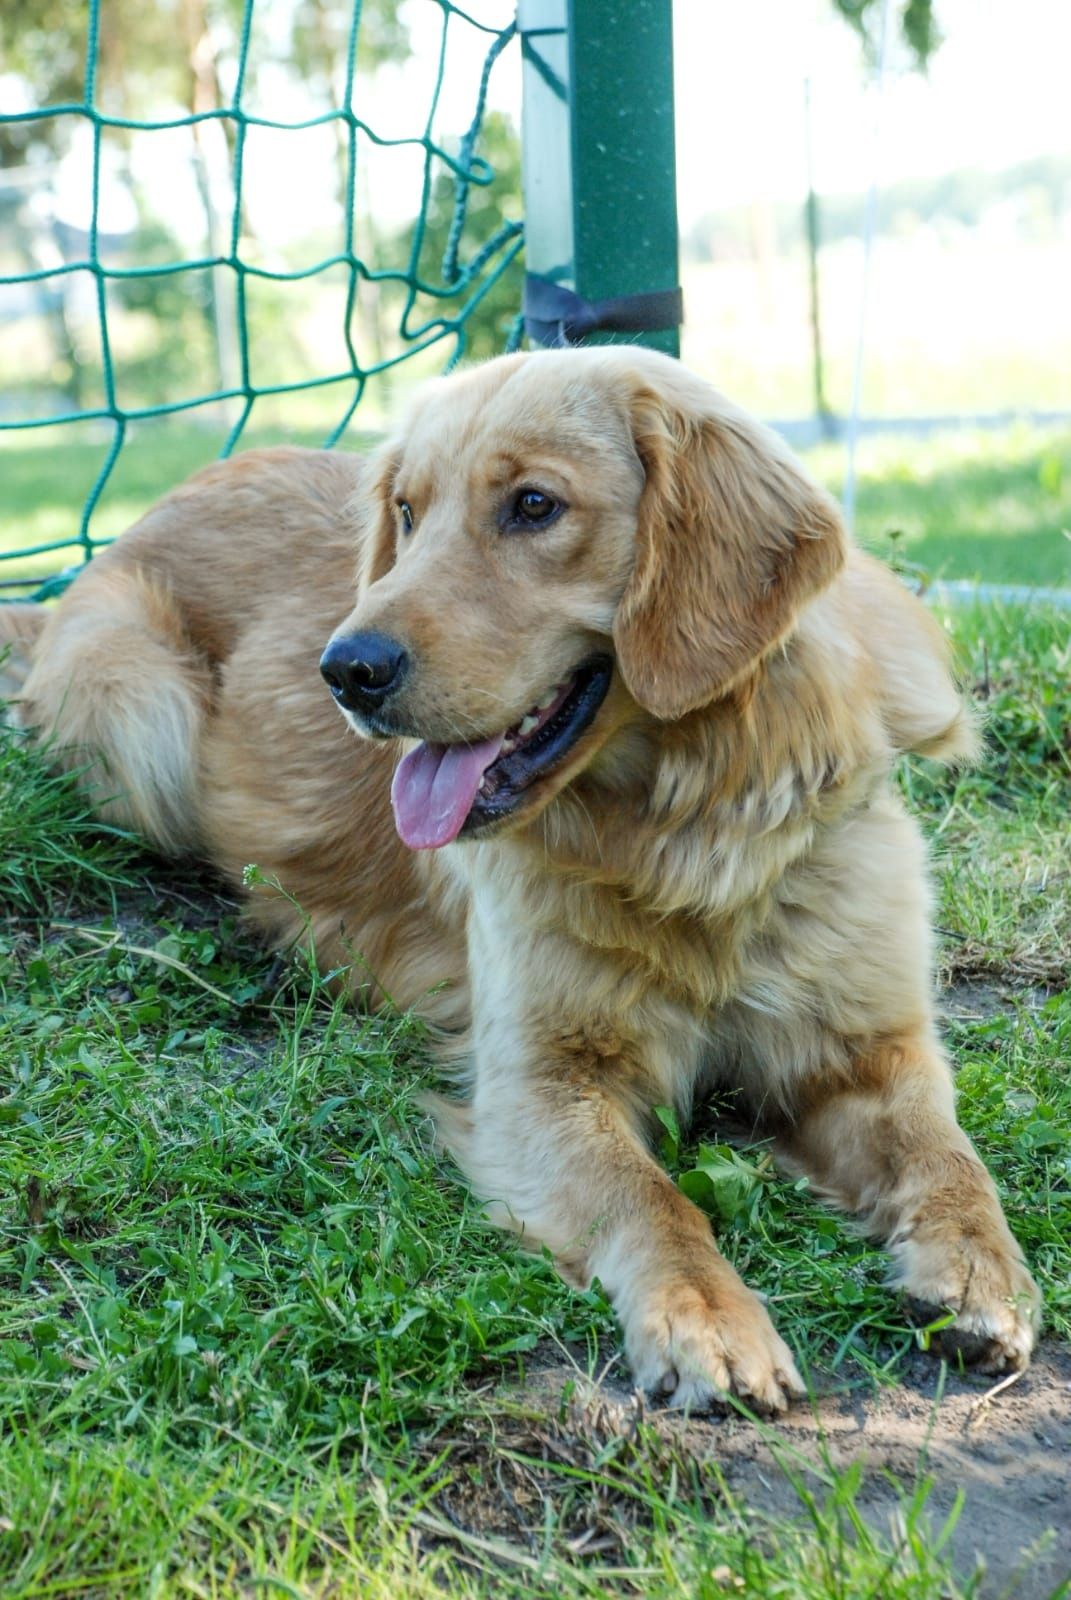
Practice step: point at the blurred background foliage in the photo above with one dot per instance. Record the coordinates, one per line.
(968, 310)
(182, 56)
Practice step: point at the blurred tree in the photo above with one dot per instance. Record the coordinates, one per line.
(168, 338)
(184, 53)
(140, 62)
(918, 24)
(318, 46)
(150, 59)
(44, 43)
(319, 36)
(486, 211)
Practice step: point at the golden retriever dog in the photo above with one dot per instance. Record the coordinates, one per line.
(611, 794)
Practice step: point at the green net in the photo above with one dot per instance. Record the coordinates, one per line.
(431, 278)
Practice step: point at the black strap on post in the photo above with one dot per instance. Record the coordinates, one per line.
(554, 315)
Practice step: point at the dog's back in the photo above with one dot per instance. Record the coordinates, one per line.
(121, 675)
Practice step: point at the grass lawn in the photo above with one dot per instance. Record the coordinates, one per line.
(965, 504)
(253, 1334)
(994, 506)
(48, 474)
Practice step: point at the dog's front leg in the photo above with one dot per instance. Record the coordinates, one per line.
(883, 1141)
(553, 1141)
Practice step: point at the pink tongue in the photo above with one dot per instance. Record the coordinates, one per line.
(434, 788)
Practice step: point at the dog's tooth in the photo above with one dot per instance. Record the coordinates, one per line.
(508, 744)
(545, 704)
(528, 725)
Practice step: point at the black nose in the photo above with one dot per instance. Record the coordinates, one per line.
(362, 669)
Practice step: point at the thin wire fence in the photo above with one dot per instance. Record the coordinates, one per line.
(436, 306)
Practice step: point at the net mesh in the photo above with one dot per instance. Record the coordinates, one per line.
(432, 302)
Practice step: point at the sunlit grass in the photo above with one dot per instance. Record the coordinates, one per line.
(249, 1318)
(964, 504)
(48, 476)
(993, 506)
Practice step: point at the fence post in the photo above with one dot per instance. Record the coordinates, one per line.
(599, 168)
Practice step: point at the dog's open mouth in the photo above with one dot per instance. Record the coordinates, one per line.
(442, 790)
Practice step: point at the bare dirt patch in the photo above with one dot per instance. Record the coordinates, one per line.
(1010, 1455)
(976, 1000)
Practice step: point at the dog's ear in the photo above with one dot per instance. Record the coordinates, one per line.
(373, 509)
(732, 540)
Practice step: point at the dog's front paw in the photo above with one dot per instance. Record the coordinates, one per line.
(984, 1281)
(695, 1344)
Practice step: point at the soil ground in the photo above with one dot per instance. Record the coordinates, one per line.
(1009, 1453)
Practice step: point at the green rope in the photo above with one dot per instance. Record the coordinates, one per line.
(461, 288)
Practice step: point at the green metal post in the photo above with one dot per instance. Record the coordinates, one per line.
(598, 151)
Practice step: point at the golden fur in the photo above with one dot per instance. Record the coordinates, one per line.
(719, 885)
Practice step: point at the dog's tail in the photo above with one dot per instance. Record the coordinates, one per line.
(921, 704)
(118, 695)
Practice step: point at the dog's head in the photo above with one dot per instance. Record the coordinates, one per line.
(554, 545)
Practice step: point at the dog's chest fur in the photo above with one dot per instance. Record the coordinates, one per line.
(670, 903)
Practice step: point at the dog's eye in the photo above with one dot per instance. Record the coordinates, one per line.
(406, 511)
(531, 508)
